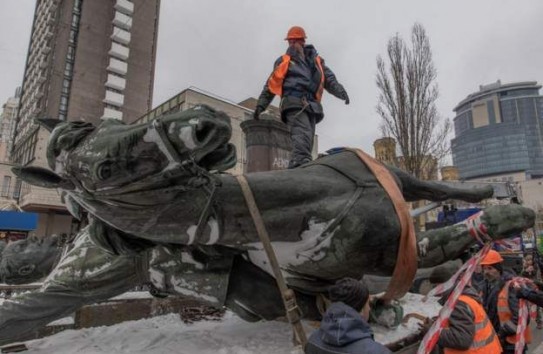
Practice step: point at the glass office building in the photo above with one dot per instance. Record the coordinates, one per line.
(499, 130)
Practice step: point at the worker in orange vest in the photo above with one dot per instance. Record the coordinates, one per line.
(501, 302)
(299, 77)
(468, 329)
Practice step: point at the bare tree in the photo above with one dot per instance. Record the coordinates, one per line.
(407, 94)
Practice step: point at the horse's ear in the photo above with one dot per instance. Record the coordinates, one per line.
(48, 123)
(42, 177)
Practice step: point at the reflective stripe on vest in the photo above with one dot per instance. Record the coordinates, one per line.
(275, 81)
(485, 339)
(504, 314)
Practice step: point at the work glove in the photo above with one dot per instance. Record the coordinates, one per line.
(258, 111)
(523, 292)
(425, 325)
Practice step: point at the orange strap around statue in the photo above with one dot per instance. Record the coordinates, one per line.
(406, 261)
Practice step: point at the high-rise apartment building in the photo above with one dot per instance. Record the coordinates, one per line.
(499, 133)
(87, 60)
(7, 124)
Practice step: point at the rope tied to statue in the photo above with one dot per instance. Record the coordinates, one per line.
(292, 310)
(406, 261)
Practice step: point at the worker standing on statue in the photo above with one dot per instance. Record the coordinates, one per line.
(299, 78)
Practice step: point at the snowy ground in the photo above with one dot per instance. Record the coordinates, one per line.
(231, 335)
(168, 334)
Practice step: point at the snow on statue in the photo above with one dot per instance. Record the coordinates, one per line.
(161, 211)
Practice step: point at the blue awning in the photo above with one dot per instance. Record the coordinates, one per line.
(20, 221)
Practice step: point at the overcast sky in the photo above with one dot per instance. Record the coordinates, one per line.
(228, 48)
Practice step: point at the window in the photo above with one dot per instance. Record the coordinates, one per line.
(17, 188)
(68, 69)
(71, 53)
(5, 186)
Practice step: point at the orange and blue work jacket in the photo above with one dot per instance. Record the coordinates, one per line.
(298, 84)
(300, 81)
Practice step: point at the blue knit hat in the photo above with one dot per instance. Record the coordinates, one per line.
(351, 292)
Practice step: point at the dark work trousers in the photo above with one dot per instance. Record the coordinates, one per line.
(302, 131)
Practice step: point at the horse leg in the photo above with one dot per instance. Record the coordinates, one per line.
(415, 189)
(253, 295)
(440, 245)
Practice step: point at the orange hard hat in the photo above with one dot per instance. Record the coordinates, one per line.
(492, 257)
(295, 32)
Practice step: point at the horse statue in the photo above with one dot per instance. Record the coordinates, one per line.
(161, 211)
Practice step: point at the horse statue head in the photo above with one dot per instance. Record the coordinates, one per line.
(133, 166)
(29, 260)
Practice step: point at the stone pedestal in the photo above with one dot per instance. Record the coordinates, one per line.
(268, 145)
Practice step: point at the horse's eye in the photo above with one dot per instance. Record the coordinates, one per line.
(104, 171)
(26, 269)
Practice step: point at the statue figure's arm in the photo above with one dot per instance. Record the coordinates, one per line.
(85, 275)
(440, 245)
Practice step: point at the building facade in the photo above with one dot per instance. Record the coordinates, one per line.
(499, 133)
(385, 152)
(86, 60)
(7, 125)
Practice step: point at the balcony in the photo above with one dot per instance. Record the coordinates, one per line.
(36, 197)
(119, 51)
(53, 7)
(124, 6)
(48, 34)
(121, 36)
(117, 66)
(115, 82)
(123, 21)
(114, 98)
(112, 114)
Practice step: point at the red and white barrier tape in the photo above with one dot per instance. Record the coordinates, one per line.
(525, 310)
(477, 229)
(521, 326)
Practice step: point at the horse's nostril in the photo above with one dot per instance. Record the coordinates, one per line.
(203, 130)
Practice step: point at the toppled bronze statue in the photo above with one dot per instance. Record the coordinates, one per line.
(161, 212)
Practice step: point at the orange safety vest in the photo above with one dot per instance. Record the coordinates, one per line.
(275, 81)
(485, 339)
(504, 314)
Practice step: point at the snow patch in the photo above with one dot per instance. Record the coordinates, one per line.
(313, 246)
(188, 259)
(214, 231)
(182, 287)
(191, 231)
(168, 334)
(157, 278)
(186, 137)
